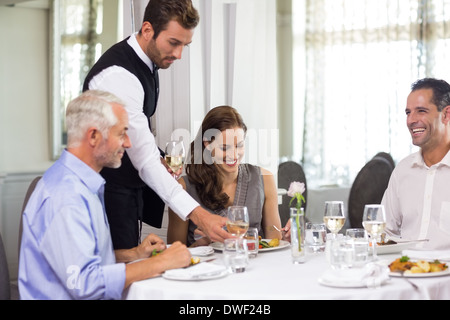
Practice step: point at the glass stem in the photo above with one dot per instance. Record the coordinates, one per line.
(374, 251)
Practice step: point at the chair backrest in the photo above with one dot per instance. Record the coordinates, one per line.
(288, 172)
(369, 187)
(386, 156)
(5, 289)
(30, 190)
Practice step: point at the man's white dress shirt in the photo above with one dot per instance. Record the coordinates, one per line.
(417, 202)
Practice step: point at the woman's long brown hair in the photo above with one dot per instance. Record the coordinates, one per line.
(201, 171)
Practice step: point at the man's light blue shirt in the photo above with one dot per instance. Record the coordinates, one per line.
(66, 250)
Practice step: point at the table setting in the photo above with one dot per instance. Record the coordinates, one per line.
(318, 264)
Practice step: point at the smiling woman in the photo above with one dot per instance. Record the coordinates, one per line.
(217, 179)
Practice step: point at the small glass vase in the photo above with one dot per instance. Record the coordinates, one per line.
(297, 235)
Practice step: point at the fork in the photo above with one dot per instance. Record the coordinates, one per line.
(278, 229)
(409, 281)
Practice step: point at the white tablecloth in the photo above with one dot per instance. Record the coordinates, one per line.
(272, 276)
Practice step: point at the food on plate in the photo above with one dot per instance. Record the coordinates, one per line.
(405, 265)
(386, 243)
(271, 244)
(194, 260)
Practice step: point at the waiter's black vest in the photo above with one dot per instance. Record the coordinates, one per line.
(123, 55)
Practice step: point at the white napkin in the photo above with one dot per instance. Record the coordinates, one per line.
(199, 271)
(201, 251)
(442, 255)
(371, 275)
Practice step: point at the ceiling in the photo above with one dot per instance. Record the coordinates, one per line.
(26, 3)
(9, 2)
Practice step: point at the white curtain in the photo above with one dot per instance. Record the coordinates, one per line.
(361, 58)
(231, 60)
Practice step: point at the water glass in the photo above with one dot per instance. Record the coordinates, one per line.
(235, 254)
(315, 237)
(361, 242)
(342, 253)
(297, 235)
(252, 242)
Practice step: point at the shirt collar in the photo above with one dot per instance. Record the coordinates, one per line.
(446, 160)
(132, 41)
(92, 179)
(418, 160)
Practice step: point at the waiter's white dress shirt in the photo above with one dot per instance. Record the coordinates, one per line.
(417, 202)
(144, 153)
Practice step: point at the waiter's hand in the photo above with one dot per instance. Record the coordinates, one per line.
(210, 224)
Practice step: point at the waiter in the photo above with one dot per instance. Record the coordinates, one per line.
(140, 188)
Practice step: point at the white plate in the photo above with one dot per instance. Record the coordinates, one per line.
(202, 251)
(283, 244)
(421, 275)
(199, 272)
(395, 248)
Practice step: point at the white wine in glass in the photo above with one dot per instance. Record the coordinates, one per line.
(334, 217)
(374, 221)
(174, 156)
(237, 221)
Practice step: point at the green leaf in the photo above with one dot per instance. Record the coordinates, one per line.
(404, 259)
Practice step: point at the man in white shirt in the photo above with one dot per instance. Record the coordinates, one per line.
(417, 199)
(129, 70)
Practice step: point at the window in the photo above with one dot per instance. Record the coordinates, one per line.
(361, 59)
(80, 28)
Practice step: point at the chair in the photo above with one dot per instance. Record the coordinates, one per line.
(386, 156)
(369, 186)
(288, 172)
(5, 290)
(30, 190)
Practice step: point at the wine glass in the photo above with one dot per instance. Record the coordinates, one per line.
(374, 221)
(238, 221)
(334, 216)
(174, 156)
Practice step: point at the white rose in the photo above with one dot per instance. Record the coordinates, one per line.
(296, 187)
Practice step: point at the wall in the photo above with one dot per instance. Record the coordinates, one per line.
(24, 89)
(24, 116)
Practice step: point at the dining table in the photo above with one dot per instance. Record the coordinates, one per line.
(272, 275)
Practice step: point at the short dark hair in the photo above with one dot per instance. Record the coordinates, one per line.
(441, 91)
(160, 12)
